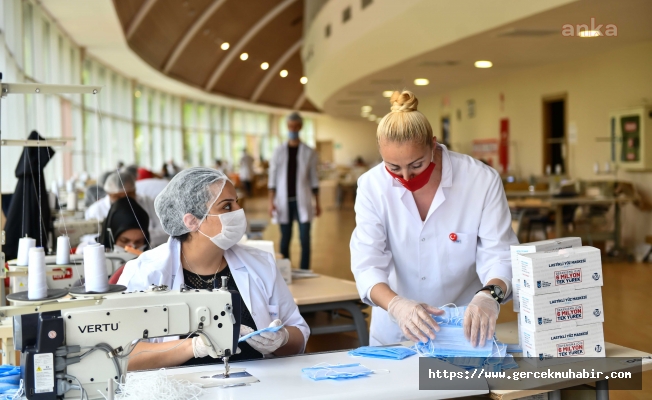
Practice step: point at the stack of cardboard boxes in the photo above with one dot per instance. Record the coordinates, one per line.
(557, 292)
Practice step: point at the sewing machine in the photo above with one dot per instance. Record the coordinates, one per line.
(50, 338)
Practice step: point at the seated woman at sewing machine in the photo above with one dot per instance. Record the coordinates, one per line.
(198, 209)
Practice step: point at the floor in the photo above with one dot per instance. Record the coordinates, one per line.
(625, 292)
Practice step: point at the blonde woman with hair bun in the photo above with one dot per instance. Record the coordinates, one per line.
(432, 227)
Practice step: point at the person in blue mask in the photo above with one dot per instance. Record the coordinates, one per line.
(292, 184)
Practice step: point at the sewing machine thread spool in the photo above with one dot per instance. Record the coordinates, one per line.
(37, 287)
(63, 250)
(24, 244)
(95, 274)
(71, 201)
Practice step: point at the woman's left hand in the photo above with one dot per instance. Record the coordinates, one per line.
(480, 318)
(269, 342)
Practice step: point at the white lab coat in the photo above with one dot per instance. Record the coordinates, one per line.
(259, 282)
(307, 180)
(246, 171)
(419, 260)
(151, 187)
(100, 209)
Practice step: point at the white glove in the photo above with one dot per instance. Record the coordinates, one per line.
(267, 342)
(480, 318)
(201, 347)
(414, 318)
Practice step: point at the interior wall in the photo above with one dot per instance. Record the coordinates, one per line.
(351, 138)
(594, 87)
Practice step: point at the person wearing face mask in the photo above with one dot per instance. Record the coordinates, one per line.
(292, 184)
(432, 227)
(119, 185)
(199, 210)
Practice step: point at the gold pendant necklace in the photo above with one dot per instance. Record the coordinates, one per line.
(199, 276)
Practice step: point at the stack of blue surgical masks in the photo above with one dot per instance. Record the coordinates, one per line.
(323, 371)
(9, 381)
(450, 345)
(387, 353)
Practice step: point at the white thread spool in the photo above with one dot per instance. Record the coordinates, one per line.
(37, 287)
(71, 203)
(24, 244)
(63, 250)
(95, 274)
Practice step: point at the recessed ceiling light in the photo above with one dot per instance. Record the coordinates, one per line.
(371, 117)
(244, 56)
(483, 64)
(364, 114)
(366, 109)
(264, 66)
(421, 81)
(283, 73)
(303, 80)
(388, 93)
(137, 93)
(225, 46)
(590, 33)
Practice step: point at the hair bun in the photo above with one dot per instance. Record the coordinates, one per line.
(404, 101)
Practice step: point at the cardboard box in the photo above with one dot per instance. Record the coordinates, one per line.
(516, 288)
(560, 270)
(543, 245)
(561, 346)
(556, 310)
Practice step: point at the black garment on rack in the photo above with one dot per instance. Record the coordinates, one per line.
(192, 281)
(25, 212)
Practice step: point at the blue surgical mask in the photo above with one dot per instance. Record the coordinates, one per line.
(342, 371)
(293, 135)
(451, 342)
(258, 332)
(388, 353)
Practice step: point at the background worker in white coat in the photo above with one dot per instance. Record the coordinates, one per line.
(293, 182)
(123, 184)
(246, 172)
(433, 227)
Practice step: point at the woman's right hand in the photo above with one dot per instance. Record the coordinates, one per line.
(414, 318)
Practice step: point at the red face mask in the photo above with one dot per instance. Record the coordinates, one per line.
(417, 182)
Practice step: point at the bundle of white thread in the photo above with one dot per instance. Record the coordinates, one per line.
(24, 244)
(37, 287)
(63, 250)
(95, 273)
(156, 385)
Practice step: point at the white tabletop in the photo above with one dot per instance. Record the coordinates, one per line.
(281, 378)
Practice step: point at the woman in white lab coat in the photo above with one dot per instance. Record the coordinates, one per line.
(433, 227)
(198, 209)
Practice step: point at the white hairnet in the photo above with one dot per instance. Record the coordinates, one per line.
(191, 191)
(119, 183)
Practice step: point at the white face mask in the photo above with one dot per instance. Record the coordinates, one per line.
(234, 226)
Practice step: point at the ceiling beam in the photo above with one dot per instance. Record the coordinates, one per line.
(274, 69)
(139, 17)
(235, 50)
(300, 101)
(190, 33)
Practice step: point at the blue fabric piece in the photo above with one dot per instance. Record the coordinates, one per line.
(388, 353)
(258, 332)
(321, 372)
(453, 316)
(5, 387)
(12, 379)
(7, 370)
